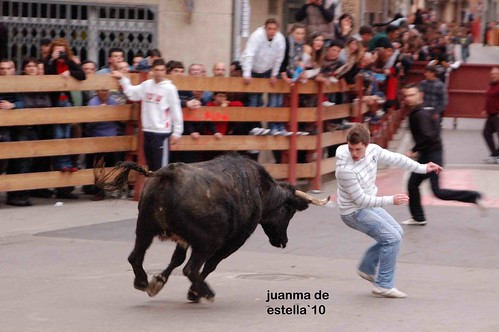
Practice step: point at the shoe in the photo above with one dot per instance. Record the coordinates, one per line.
(481, 207)
(333, 79)
(389, 292)
(413, 222)
(264, 132)
(73, 169)
(365, 276)
(255, 131)
(327, 103)
(302, 133)
(287, 133)
(19, 202)
(66, 195)
(64, 169)
(492, 160)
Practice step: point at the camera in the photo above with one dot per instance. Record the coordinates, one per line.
(63, 55)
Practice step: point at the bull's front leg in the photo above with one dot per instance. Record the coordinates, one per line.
(143, 241)
(159, 280)
(199, 289)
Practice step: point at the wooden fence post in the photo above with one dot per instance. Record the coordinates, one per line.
(293, 126)
(316, 182)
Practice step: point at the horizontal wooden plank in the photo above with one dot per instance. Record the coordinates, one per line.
(337, 111)
(57, 147)
(280, 171)
(55, 179)
(54, 115)
(328, 165)
(334, 138)
(26, 83)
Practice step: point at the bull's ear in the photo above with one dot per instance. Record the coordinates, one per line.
(299, 203)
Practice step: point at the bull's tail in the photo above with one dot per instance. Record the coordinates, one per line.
(117, 178)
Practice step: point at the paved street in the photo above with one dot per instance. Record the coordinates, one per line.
(64, 268)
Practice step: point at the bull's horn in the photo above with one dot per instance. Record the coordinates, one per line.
(312, 199)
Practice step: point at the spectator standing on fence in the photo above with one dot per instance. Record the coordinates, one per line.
(434, 93)
(318, 16)
(161, 114)
(428, 147)
(89, 68)
(343, 29)
(8, 101)
(44, 48)
(262, 58)
(361, 209)
(60, 62)
(465, 40)
(491, 127)
(101, 129)
(28, 133)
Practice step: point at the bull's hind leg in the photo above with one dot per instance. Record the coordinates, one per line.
(199, 289)
(143, 241)
(159, 280)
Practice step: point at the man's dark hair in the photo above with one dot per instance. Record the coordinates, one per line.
(159, 62)
(391, 28)
(45, 42)
(271, 21)
(365, 30)
(114, 50)
(358, 134)
(89, 61)
(412, 86)
(237, 65)
(336, 43)
(154, 52)
(173, 64)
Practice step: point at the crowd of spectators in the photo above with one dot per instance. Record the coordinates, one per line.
(317, 47)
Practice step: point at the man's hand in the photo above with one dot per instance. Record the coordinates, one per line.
(246, 80)
(193, 104)
(432, 167)
(399, 199)
(218, 135)
(117, 74)
(273, 80)
(195, 135)
(411, 154)
(174, 139)
(6, 105)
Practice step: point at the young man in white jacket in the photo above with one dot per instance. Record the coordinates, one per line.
(360, 208)
(161, 114)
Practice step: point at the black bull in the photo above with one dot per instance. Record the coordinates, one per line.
(212, 207)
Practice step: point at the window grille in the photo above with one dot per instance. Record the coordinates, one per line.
(91, 29)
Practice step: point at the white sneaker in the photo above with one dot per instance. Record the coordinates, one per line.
(255, 131)
(491, 160)
(413, 222)
(264, 132)
(388, 292)
(327, 103)
(302, 133)
(333, 79)
(365, 276)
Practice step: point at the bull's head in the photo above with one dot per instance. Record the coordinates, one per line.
(281, 205)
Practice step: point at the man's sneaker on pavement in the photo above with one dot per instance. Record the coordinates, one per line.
(492, 160)
(413, 222)
(389, 292)
(365, 276)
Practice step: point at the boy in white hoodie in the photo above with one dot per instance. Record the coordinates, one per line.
(161, 114)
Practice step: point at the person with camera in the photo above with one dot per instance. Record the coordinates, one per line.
(61, 62)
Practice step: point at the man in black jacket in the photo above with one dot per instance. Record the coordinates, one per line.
(428, 147)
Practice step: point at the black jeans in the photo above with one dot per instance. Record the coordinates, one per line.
(156, 150)
(468, 196)
(491, 127)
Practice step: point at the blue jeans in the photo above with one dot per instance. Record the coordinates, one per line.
(62, 131)
(378, 224)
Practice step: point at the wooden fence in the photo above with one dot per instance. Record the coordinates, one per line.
(131, 142)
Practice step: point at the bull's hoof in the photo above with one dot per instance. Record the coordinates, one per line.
(193, 297)
(140, 285)
(156, 284)
(201, 291)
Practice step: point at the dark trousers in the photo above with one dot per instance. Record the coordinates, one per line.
(21, 165)
(468, 196)
(156, 150)
(491, 127)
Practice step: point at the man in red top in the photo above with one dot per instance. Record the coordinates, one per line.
(491, 110)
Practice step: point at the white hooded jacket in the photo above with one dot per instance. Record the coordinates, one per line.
(161, 111)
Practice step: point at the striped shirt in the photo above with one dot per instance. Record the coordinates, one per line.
(356, 179)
